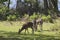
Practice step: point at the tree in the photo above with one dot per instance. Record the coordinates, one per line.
(1, 1)
(54, 3)
(8, 3)
(45, 7)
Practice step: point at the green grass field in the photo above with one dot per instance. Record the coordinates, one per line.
(9, 31)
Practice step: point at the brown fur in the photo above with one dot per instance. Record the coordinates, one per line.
(40, 22)
(26, 26)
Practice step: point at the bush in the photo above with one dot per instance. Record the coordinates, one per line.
(47, 18)
(11, 17)
(33, 16)
(44, 18)
(3, 11)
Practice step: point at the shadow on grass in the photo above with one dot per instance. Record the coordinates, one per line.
(1, 38)
(15, 36)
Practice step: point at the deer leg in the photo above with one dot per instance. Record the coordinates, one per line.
(35, 27)
(41, 27)
(32, 30)
(27, 31)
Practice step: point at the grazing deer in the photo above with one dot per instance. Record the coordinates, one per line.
(26, 26)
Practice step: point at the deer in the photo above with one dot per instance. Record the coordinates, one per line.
(26, 26)
(40, 22)
(32, 25)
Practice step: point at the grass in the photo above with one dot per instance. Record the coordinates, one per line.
(9, 31)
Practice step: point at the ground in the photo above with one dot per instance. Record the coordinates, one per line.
(9, 31)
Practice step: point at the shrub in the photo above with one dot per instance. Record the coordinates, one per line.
(11, 17)
(44, 18)
(3, 11)
(47, 18)
(33, 16)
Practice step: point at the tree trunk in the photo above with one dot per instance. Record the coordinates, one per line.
(54, 3)
(8, 3)
(45, 7)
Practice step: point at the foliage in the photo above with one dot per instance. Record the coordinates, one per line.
(11, 17)
(44, 18)
(1, 1)
(3, 9)
(47, 18)
(33, 16)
